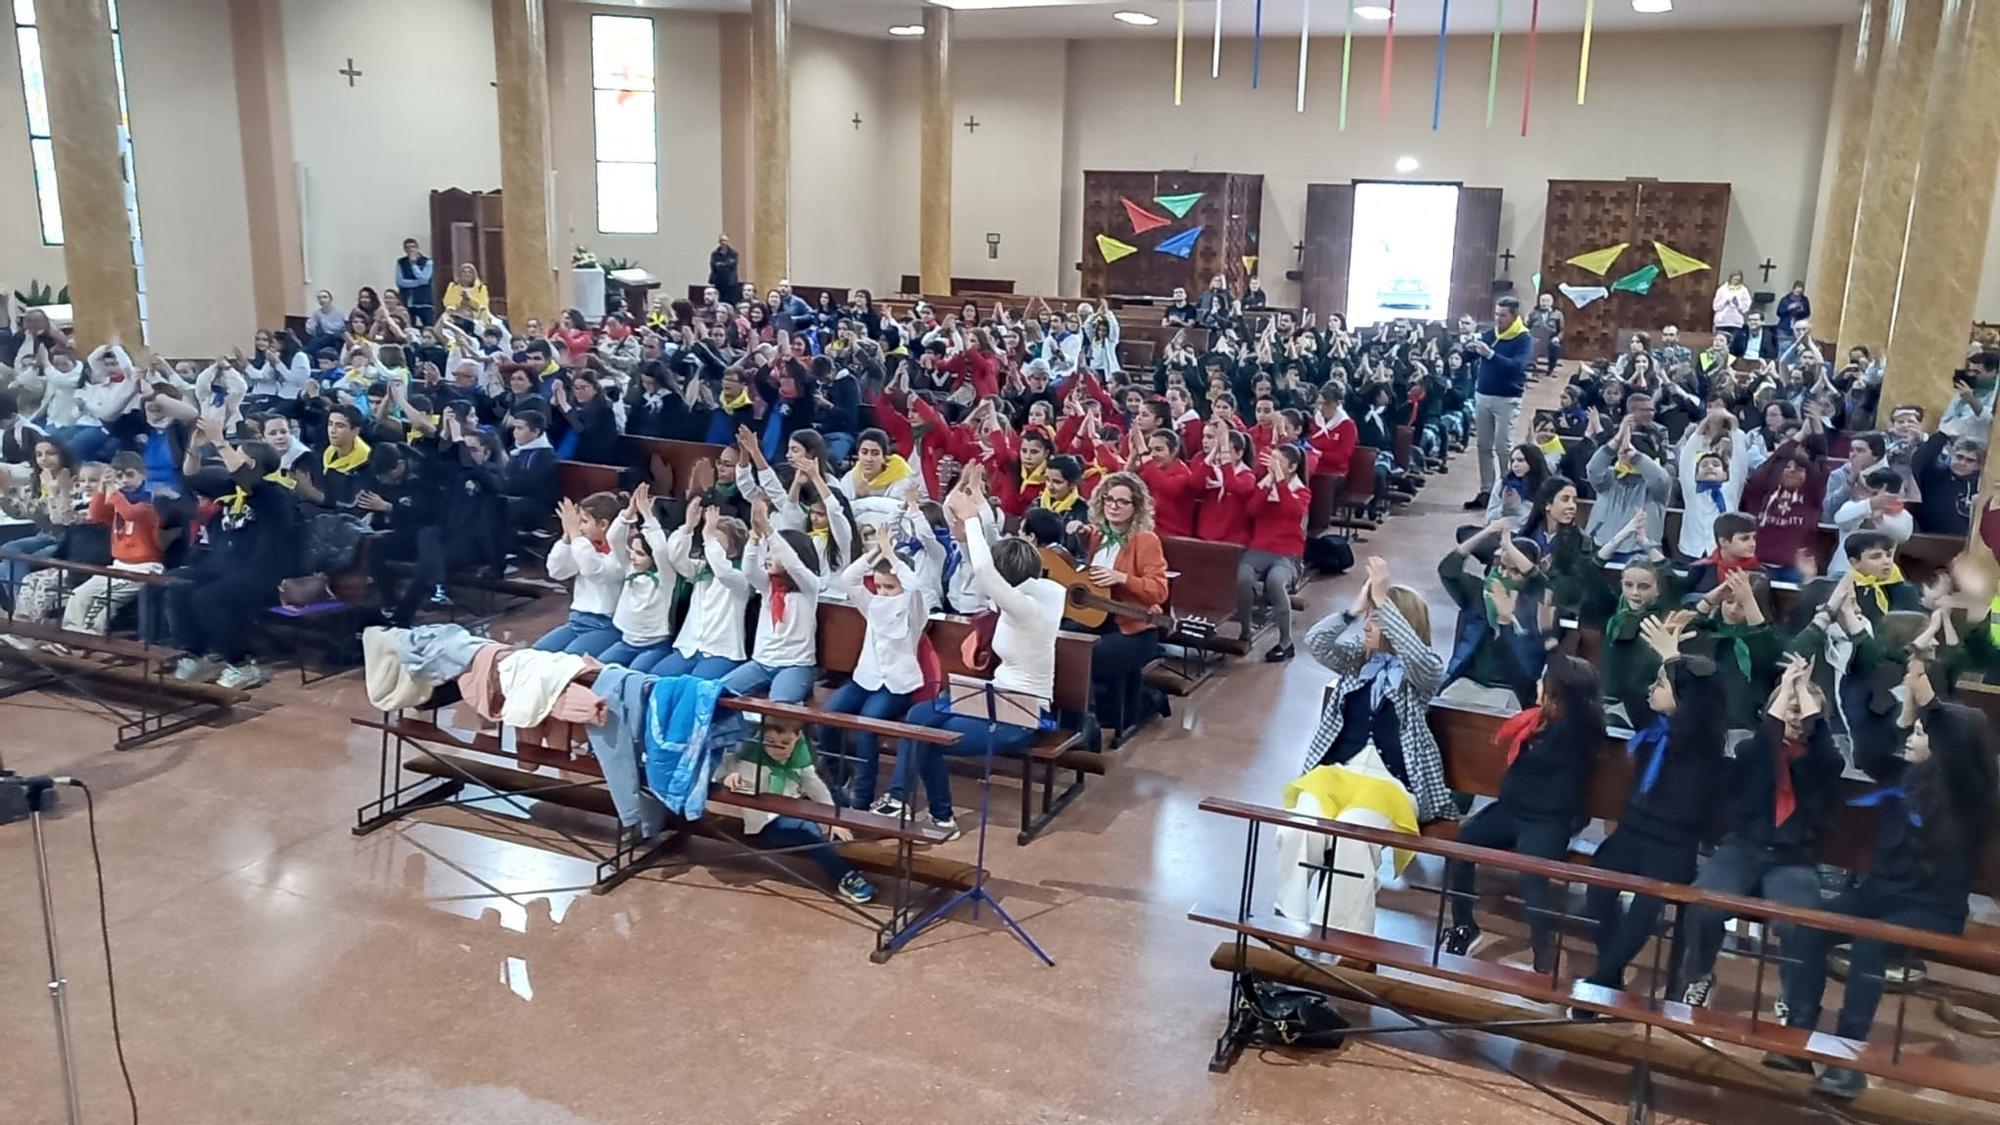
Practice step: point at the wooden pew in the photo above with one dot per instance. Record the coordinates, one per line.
(1921, 556)
(1204, 586)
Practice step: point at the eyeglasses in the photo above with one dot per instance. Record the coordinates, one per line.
(1121, 501)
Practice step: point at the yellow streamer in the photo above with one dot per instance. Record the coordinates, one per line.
(1180, 45)
(1583, 63)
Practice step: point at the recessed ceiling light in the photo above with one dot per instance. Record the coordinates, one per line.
(906, 29)
(1136, 19)
(1373, 12)
(1407, 164)
(1652, 7)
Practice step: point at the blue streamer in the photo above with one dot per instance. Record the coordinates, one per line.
(1257, 44)
(1437, 90)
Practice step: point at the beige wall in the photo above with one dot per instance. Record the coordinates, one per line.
(1751, 110)
(840, 224)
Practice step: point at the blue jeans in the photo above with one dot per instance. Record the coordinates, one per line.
(700, 665)
(788, 685)
(810, 839)
(13, 571)
(582, 633)
(975, 737)
(881, 703)
(1804, 980)
(639, 658)
(87, 443)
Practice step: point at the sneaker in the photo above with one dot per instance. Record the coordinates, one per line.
(243, 677)
(1781, 1011)
(1698, 991)
(886, 805)
(197, 670)
(948, 826)
(1459, 940)
(1279, 654)
(1477, 503)
(1840, 1082)
(1776, 1061)
(856, 889)
(439, 597)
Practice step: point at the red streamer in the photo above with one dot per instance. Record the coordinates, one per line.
(1388, 58)
(1528, 87)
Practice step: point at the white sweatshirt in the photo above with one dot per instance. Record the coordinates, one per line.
(714, 625)
(791, 641)
(599, 574)
(888, 656)
(646, 601)
(1024, 640)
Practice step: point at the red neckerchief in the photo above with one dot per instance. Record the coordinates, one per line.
(778, 589)
(1724, 567)
(603, 546)
(1784, 800)
(1515, 732)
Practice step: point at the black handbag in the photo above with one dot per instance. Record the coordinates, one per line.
(1277, 1015)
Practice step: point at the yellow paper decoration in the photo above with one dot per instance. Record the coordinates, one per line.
(1674, 263)
(1112, 249)
(1249, 263)
(1598, 261)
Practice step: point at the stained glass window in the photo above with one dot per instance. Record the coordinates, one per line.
(626, 112)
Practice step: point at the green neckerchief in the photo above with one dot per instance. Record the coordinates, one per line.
(780, 776)
(1737, 637)
(1512, 586)
(653, 574)
(1112, 539)
(1624, 623)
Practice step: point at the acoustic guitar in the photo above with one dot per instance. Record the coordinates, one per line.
(1089, 604)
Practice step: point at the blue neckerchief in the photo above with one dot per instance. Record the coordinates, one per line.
(1383, 676)
(1713, 490)
(952, 557)
(1884, 796)
(1653, 739)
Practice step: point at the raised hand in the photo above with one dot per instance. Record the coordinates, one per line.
(760, 516)
(642, 501)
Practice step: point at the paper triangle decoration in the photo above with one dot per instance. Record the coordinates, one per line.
(1249, 263)
(1638, 281)
(1581, 295)
(1142, 219)
(1597, 261)
(1182, 244)
(1676, 263)
(1535, 282)
(1112, 249)
(1180, 205)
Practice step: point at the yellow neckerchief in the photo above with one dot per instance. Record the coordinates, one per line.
(733, 403)
(1031, 478)
(335, 462)
(1511, 331)
(1063, 505)
(1552, 447)
(1876, 585)
(894, 468)
(237, 499)
(1621, 470)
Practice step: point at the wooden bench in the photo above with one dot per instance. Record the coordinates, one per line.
(1892, 1061)
(150, 703)
(1204, 586)
(1921, 555)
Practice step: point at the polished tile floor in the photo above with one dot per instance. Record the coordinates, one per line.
(274, 968)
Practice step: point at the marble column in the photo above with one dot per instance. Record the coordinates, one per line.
(270, 185)
(82, 84)
(521, 72)
(1951, 209)
(734, 75)
(1829, 277)
(1895, 138)
(771, 134)
(934, 166)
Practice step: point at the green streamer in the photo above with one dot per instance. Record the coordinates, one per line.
(1493, 68)
(1346, 64)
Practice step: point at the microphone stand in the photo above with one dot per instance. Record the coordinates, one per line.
(40, 796)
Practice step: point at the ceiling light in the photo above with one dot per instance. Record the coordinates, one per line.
(1652, 7)
(1406, 164)
(1136, 19)
(1373, 12)
(906, 29)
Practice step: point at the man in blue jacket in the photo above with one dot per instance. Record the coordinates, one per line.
(1503, 352)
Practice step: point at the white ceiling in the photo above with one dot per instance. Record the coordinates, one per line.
(1091, 19)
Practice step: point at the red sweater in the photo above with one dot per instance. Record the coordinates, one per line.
(1786, 524)
(1335, 443)
(1225, 505)
(982, 369)
(1176, 490)
(135, 528)
(1279, 525)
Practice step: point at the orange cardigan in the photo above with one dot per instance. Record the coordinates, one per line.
(1144, 562)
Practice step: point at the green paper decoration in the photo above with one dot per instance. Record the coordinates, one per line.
(1638, 281)
(1180, 205)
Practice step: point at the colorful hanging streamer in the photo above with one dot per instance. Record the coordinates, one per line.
(1597, 261)
(1180, 45)
(1180, 245)
(1583, 60)
(1346, 64)
(1112, 249)
(1305, 40)
(1179, 205)
(1493, 67)
(1535, 282)
(1249, 263)
(1581, 295)
(1676, 263)
(1638, 281)
(1388, 58)
(1215, 51)
(1528, 86)
(1437, 89)
(1142, 219)
(1256, 44)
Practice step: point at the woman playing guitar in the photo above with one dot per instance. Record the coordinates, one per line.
(1122, 554)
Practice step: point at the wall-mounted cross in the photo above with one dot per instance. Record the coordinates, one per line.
(350, 72)
(857, 121)
(1299, 251)
(1507, 260)
(971, 123)
(1767, 266)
